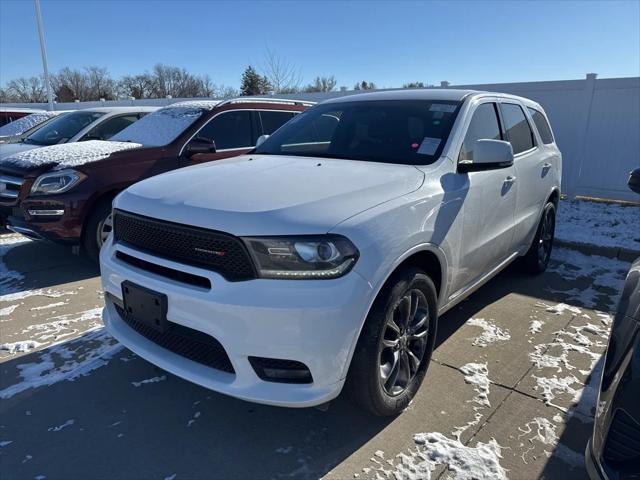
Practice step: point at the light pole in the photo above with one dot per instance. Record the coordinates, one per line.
(44, 54)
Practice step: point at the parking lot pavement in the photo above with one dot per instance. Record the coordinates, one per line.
(510, 392)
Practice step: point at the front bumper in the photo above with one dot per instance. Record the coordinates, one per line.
(315, 322)
(45, 219)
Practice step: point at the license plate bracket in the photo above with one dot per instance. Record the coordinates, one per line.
(145, 305)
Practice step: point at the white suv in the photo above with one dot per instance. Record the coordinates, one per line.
(325, 257)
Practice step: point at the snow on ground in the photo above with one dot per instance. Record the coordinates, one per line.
(599, 223)
(9, 279)
(490, 332)
(149, 380)
(595, 271)
(65, 361)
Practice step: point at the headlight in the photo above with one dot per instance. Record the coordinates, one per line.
(304, 257)
(56, 182)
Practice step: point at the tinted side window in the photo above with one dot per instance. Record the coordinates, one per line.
(517, 128)
(271, 121)
(110, 127)
(542, 125)
(229, 130)
(484, 124)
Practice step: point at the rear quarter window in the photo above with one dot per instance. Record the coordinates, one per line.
(517, 128)
(542, 125)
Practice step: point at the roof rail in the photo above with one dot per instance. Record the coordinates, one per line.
(281, 101)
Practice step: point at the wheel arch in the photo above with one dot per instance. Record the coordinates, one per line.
(427, 257)
(554, 197)
(91, 205)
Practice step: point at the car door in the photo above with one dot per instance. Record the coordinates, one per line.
(529, 163)
(488, 205)
(234, 132)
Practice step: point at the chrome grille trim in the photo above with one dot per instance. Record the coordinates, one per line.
(10, 186)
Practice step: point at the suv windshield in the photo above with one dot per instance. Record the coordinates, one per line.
(160, 127)
(391, 131)
(63, 128)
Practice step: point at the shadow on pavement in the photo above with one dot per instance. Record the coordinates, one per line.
(45, 264)
(104, 426)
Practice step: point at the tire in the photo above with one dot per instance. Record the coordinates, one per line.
(370, 382)
(536, 260)
(94, 229)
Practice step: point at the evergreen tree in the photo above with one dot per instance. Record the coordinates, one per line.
(253, 83)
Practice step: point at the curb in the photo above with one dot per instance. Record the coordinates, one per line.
(624, 254)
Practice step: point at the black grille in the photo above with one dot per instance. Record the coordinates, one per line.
(623, 440)
(209, 249)
(184, 341)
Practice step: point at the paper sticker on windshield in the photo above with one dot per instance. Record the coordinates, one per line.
(429, 146)
(442, 107)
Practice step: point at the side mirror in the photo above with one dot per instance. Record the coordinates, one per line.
(488, 154)
(261, 140)
(201, 145)
(634, 180)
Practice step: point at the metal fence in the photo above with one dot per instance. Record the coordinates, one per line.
(596, 123)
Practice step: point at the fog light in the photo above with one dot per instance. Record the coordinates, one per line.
(281, 371)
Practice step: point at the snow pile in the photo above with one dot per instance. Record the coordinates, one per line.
(163, 126)
(491, 333)
(599, 223)
(560, 308)
(476, 374)
(19, 347)
(68, 155)
(18, 127)
(7, 310)
(467, 463)
(535, 326)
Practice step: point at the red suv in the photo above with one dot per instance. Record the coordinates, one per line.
(64, 192)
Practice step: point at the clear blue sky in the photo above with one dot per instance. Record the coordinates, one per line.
(385, 42)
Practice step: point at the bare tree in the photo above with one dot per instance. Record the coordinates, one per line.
(136, 86)
(69, 85)
(283, 76)
(322, 84)
(27, 89)
(223, 91)
(99, 84)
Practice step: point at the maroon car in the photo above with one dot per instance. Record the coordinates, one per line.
(64, 192)
(8, 115)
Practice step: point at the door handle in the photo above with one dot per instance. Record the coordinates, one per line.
(510, 179)
(546, 165)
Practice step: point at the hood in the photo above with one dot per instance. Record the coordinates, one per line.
(67, 155)
(10, 149)
(269, 195)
